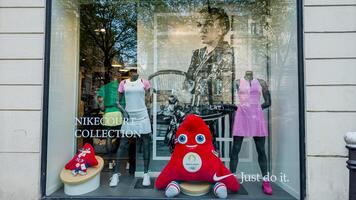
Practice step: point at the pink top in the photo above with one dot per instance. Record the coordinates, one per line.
(249, 118)
(146, 85)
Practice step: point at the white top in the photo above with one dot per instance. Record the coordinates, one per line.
(134, 94)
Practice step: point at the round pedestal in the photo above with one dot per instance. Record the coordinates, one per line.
(194, 188)
(81, 184)
(83, 188)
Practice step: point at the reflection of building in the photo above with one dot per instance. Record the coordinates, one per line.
(329, 100)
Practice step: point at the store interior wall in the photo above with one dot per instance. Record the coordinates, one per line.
(284, 123)
(63, 89)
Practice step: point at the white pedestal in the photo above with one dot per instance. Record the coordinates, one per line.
(83, 188)
(82, 184)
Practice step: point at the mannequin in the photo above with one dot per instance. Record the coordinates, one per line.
(250, 122)
(107, 99)
(137, 123)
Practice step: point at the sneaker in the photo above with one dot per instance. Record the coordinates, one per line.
(172, 189)
(82, 172)
(146, 180)
(267, 188)
(220, 190)
(74, 172)
(114, 180)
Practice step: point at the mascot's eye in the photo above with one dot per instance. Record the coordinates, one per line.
(182, 138)
(200, 138)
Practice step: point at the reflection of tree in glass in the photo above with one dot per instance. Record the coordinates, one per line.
(273, 32)
(173, 13)
(108, 31)
(273, 21)
(268, 26)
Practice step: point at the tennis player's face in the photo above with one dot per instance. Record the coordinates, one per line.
(210, 30)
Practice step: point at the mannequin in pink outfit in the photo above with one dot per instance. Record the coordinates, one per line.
(265, 91)
(250, 122)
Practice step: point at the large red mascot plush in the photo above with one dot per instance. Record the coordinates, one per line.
(82, 160)
(194, 159)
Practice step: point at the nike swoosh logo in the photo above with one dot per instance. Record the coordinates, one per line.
(218, 178)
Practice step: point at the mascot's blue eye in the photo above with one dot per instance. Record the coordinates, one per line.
(182, 138)
(200, 138)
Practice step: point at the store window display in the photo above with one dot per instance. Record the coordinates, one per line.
(250, 122)
(137, 122)
(144, 67)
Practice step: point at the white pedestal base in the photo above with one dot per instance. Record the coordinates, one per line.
(83, 188)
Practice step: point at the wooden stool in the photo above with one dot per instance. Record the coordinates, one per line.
(195, 188)
(81, 184)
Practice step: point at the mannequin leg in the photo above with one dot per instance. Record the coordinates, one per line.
(234, 155)
(122, 153)
(132, 155)
(112, 148)
(139, 146)
(146, 148)
(109, 145)
(262, 158)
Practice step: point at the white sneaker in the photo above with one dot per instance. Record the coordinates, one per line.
(172, 189)
(114, 180)
(74, 172)
(220, 190)
(82, 173)
(146, 180)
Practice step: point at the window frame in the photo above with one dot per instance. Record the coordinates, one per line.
(45, 98)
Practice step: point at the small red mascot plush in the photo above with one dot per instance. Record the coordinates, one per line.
(82, 160)
(194, 159)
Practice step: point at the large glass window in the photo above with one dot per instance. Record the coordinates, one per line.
(131, 82)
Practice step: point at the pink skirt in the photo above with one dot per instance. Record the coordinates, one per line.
(250, 122)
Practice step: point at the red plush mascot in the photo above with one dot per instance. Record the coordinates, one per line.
(194, 159)
(82, 160)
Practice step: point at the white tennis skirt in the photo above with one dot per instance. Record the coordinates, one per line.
(138, 123)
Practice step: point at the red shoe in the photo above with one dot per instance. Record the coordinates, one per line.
(267, 189)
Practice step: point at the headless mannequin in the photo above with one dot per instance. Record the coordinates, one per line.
(259, 141)
(265, 92)
(103, 107)
(124, 143)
